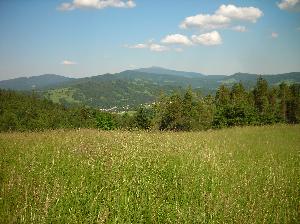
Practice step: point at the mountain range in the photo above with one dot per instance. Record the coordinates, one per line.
(130, 88)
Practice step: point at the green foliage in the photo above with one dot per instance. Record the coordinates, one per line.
(64, 96)
(20, 112)
(171, 117)
(293, 105)
(105, 121)
(261, 95)
(233, 106)
(143, 118)
(180, 111)
(205, 111)
(222, 95)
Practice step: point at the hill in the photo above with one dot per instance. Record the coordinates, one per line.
(132, 87)
(34, 82)
(250, 79)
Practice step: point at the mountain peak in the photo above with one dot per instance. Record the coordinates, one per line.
(165, 71)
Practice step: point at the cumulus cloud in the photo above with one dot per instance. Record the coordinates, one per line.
(205, 21)
(67, 62)
(177, 39)
(208, 39)
(223, 17)
(96, 4)
(239, 28)
(291, 5)
(151, 46)
(250, 14)
(274, 35)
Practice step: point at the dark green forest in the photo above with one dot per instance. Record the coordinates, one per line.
(180, 111)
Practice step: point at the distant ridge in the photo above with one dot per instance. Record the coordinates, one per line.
(164, 71)
(34, 82)
(271, 78)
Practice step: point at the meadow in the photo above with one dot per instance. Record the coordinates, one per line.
(235, 175)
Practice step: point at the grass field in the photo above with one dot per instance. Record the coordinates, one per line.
(238, 175)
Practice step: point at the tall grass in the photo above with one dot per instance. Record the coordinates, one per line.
(238, 175)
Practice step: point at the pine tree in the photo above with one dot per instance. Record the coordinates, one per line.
(222, 96)
(261, 95)
(283, 96)
(293, 105)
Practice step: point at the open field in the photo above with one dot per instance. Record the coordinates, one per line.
(238, 175)
(66, 94)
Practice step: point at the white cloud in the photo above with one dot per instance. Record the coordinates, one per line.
(137, 46)
(151, 46)
(222, 18)
(274, 35)
(205, 21)
(239, 28)
(96, 4)
(251, 14)
(208, 39)
(177, 39)
(291, 5)
(67, 62)
(158, 48)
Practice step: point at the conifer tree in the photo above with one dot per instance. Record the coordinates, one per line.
(261, 95)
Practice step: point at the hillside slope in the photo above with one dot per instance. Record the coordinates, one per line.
(34, 82)
(132, 87)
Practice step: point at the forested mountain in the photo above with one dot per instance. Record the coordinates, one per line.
(34, 82)
(250, 79)
(130, 88)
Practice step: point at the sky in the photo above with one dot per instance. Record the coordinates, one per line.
(79, 38)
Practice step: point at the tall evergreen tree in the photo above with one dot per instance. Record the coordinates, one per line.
(293, 104)
(238, 94)
(261, 95)
(283, 96)
(223, 96)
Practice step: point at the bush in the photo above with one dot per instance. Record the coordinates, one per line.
(105, 121)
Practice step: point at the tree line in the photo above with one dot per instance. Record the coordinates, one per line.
(180, 111)
(230, 106)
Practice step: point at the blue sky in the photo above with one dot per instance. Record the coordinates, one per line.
(80, 38)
